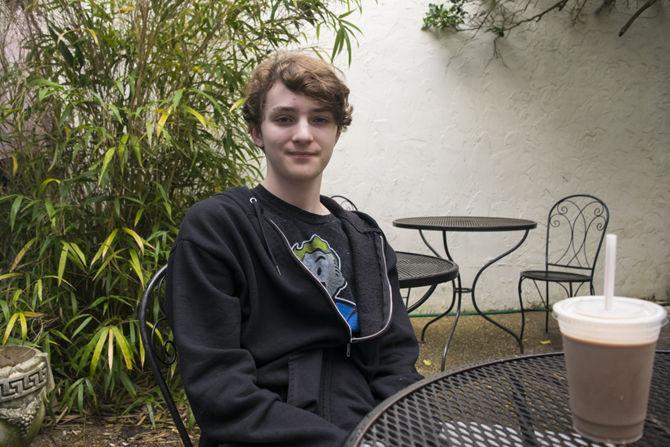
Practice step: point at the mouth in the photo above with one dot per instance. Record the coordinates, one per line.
(302, 154)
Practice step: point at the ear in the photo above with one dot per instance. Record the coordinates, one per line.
(257, 136)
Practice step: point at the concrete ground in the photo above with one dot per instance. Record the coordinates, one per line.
(478, 341)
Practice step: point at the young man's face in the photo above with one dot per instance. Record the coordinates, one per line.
(298, 135)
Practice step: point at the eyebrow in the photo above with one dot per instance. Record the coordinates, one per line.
(281, 109)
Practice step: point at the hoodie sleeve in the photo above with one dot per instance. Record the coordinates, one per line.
(218, 374)
(399, 350)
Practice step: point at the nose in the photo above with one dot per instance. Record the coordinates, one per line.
(303, 132)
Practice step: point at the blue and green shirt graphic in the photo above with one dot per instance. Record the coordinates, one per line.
(323, 262)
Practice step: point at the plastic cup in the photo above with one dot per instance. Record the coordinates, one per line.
(609, 357)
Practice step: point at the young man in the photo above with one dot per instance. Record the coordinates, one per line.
(285, 308)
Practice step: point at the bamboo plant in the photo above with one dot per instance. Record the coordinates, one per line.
(115, 117)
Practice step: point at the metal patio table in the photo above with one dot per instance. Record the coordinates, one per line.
(516, 402)
(417, 270)
(466, 224)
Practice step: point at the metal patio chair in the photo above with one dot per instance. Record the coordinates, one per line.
(576, 226)
(158, 345)
(414, 270)
(344, 202)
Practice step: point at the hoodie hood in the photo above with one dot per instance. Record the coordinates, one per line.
(369, 258)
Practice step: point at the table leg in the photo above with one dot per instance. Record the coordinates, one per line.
(474, 285)
(420, 301)
(446, 312)
(453, 327)
(459, 290)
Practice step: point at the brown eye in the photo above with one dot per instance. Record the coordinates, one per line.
(283, 119)
(322, 119)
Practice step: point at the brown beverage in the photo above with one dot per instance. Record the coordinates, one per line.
(609, 357)
(609, 388)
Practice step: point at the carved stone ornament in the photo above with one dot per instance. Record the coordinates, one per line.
(25, 379)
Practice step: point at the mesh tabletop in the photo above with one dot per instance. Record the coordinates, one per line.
(416, 270)
(465, 223)
(516, 403)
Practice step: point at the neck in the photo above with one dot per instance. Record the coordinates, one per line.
(303, 195)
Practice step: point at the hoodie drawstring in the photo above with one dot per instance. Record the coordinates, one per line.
(257, 210)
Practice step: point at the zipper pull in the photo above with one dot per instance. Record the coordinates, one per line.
(348, 350)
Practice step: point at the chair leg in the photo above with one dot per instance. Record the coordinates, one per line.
(593, 291)
(409, 291)
(523, 317)
(546, 307)
(571, 292)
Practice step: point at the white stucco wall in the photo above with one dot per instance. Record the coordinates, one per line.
(440, 128)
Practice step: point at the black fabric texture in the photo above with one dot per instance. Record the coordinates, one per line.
(264, 357)
(333, 265)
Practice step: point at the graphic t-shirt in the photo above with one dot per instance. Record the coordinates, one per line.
(321, 245)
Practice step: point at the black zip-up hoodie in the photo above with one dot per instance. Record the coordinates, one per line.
(264, 355)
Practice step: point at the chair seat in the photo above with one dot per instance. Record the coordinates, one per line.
(553, 276)
(416, 270)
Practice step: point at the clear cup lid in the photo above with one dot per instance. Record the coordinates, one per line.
(626, 321)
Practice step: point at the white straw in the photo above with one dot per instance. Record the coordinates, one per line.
(610, 267)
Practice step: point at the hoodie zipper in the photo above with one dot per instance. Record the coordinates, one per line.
(352, 339)
(321, 286)
(390, 295)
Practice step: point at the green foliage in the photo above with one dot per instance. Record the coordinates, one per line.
(444, 16)
(499, 17)
(115, 117)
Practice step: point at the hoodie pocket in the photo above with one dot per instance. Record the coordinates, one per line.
(304, 380)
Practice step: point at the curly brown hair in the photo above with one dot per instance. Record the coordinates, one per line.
(300, 73)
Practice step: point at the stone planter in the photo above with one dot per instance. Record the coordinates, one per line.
(25, 379)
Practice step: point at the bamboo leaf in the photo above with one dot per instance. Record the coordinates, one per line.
(24, 325)
(198, 116)
(115, 112)
(82, 326)
(51, 212)
(62, 262)
(137, 150)
(39, 286)
(56, 278)
(136, 237)
(138, 216)
(176, 99)
(80, 254)
(21, 254)
(150, 132)
(103, 266)
(122, 343)
(339, 43)
(5, 309)
(45, 183)
(126, 9)
(93, 35)
(9, 276)
(14, 210)
(161, 121)
(15, 165)
(102, 251)
(109, 155)
(10, 326)
(16, 296)
(102, 334)
(142, 354)
(136, 266)
(237, 104)
(110, 348)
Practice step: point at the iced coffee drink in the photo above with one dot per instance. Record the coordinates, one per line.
(609, 356)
